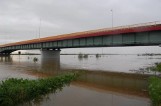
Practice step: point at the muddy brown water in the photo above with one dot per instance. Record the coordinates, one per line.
(93, 88)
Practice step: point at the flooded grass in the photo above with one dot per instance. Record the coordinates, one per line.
(15, 91)
(98, 55)
(35, 59)
(82, 55)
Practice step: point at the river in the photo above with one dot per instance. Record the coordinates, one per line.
(109, 80)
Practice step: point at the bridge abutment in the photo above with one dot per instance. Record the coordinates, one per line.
(50, 54)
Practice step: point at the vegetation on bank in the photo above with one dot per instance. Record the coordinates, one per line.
(155, 86)
(157, 67)
(155, 90)
(15, 91)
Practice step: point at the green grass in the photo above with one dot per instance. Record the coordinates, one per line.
(158, 67)
(15, 91)
(155, 90)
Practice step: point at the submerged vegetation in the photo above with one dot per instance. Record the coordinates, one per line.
(15, 91)
(155, 69)
(149, 54)
(98, 55)
(80, 55)
(35, 59)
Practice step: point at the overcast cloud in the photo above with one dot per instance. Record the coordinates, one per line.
(20, 19)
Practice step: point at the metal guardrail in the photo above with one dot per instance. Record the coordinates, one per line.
(146, 24)
(128, 26)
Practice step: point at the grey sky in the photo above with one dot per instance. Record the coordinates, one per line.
(19, 19)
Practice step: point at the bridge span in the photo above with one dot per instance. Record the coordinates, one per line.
(146, 34)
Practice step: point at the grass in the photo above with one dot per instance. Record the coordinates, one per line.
(157, 67)
(15, 91)
(155, 90)
(155, 86)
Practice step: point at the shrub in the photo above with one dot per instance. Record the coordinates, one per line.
(155, 90)
(14, 91)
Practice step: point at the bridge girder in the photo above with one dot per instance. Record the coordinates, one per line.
(148, 38)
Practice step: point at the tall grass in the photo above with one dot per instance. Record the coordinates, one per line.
(14, 91)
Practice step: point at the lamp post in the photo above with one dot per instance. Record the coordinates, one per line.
(112, 16)
(40, 33)
(39, 28)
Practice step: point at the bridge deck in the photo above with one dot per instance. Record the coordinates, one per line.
(152, 26)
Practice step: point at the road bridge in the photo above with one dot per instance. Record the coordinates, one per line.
(146, 34)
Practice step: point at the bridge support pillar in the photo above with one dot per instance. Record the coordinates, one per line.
(50, 53)
(4, 54)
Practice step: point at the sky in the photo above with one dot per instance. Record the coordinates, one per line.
(21, 19)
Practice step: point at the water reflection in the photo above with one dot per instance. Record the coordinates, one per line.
(43, 67)
(80, 96)
(107, 84)
(135, 84)
(93, 88)
(50, 65)
(101, 89)
(7, 58)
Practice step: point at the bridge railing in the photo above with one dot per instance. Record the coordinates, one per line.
(145, 24)
(129, 26)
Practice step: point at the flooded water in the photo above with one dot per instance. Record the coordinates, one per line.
(107, 80)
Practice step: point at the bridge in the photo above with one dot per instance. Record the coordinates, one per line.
(146, 34)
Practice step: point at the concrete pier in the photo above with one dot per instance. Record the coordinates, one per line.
(50, 54)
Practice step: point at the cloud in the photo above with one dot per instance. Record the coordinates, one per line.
(20, 20)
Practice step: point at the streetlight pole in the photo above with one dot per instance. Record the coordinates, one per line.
(112, 16)
(40, 34)
(39, 28)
